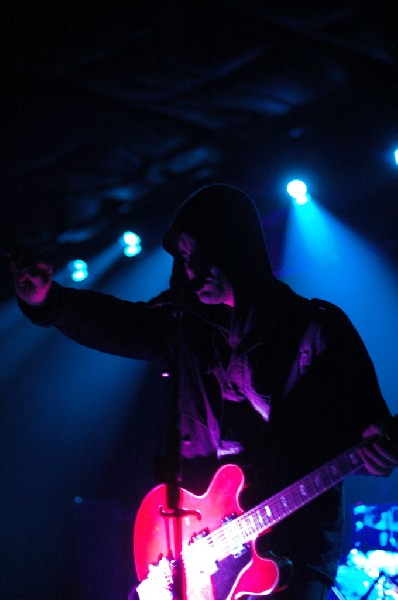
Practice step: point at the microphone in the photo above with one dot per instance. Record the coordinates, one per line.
(195, 284)
(176, 295)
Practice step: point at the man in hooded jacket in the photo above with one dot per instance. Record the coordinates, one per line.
(269, 380)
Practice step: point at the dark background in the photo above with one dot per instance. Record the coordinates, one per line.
(112, 113)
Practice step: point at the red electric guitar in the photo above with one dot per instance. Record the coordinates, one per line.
(214, 540)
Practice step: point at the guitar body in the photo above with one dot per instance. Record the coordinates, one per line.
(207, 575)
(213, 540)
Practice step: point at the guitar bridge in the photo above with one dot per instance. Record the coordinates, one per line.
(231, 535)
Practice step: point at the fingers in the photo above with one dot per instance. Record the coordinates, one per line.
(379, 457)
(31, 269)
(380, 453)
(373, 429)
(41, 271)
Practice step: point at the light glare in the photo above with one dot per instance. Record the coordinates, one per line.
(130, 251)
(79, 265)
(131, 239)
(132, 243)
(297, 189)
(78, 269)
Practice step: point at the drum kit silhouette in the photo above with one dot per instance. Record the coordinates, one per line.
(370, 569)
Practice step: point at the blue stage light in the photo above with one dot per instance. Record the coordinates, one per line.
(297, 189)
(132, 243)
(79, 265)
(78, 269)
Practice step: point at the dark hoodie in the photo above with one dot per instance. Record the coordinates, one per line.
(292, 374)
(225, 222)
(226, 225)
(279, 384)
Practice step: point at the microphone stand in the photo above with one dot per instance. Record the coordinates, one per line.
(173, 428)
(173, 463)
(173, 459)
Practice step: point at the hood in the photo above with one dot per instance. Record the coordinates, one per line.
(225, 223)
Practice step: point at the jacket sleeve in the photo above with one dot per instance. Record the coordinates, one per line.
(333, 393)
(106, 323)
(345, 378)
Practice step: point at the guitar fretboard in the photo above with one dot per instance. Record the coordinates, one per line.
(231, 536)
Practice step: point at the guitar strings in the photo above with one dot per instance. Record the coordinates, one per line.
(246, 527)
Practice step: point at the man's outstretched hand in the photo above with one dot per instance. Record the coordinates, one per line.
(32, 280)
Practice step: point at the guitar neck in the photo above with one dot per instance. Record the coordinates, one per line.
(248, 526)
